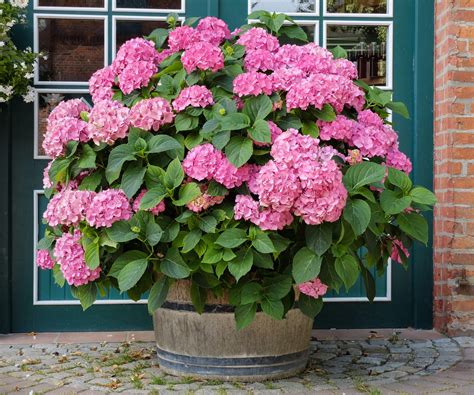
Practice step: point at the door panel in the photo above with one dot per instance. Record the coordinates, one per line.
(40, 305)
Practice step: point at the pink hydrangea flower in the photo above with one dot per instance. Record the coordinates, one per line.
(398, 160)
(47, 183)
(398, 246)
(345, 68)
(292, 148)
(44, 260)
(314, 288)
(258, 38)
(67, 109)
(229, 175)
(183, 37)
(204, 201)
(341, 128)
(101, 83)
(253, 83)
(195, 96)
(151, 114)
(136, 76)
(269, 219)
(354, 156)
(284, 79)
(213, 30)
(108, 121)
(108, 207)
(202, 56)
(202, 161)
(61, 132)
(159, 208)
(256, 60)
(70, 256)
(246, 208)
(68, 207)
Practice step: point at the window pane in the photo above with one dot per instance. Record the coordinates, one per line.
(126, 29)
(284, 5)
(72, 3)
(148, 4)
(46, 104)
(74, 48)
(357, 6)
(366, 46)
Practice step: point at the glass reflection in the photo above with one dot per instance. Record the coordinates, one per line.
(72, 3)
(74, 48)
(366, 47)
(149, 4)
(126, 29)
(357, 6)
(300, 6)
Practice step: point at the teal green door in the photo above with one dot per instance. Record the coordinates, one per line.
(81, 39)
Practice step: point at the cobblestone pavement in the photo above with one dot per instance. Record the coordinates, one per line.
(390, 365)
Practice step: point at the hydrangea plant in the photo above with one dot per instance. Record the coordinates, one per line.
(16, 65)
(241, 161)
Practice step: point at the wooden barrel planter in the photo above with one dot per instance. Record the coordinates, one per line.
(209, 346)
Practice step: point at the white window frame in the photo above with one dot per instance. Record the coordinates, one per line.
(149, 10)
(36, 104)
(116, 18)
(388, 14)
(103, 18)
(388, 24)
(300, 14)
(38, 7)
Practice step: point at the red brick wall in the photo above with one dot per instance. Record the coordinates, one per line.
(454, 167)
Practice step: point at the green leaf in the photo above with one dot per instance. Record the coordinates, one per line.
(399, 108)
(274, 308)
(258, 107)
(338, 52)
(326, 114)
(221, 139)
(153, 232)
(198, 297)
(46, 242)
(232, 238)
(242, 264)
(118, 156)
(91, 182)
(59, 169)
(239, 150)
(162, 143)
(391, 203)
(158, 36)
(414, 225)
(319, 238)
(212, 255)
(357, 213)
(120, 232)
(423, 196)
(87, 159)
(187, 193)
(310, 128)
(294, 32)
(306, 265)
(207, 224)
(369, 283)
(290, 121)
(158, 293)
(131, 273)
(192, 140)
(191, 239)
(123, 260)
(277, 287)
(235, 121)
(206, 280)
(174, 266)
(174, 174)
(58, 275)
(347, 269)
(244, 315)
(251, 292)
(262, 243)
(309, 306)
(132, 179)
(260, 132)
(91, 252)
(363, 174)
(152, 198)
(220, 268)
(184, 122)
(216, 189)
(170, 233)
(87, 294)
(263, 261)
(399, 179)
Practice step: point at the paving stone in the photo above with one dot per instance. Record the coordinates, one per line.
(371, 361)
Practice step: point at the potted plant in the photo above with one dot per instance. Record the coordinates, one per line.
(228, 175)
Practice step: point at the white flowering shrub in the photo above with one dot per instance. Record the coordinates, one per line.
(16, 65)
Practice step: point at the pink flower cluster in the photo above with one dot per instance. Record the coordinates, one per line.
(314, 288)
(65, 125)
(44, 260)
(204, 201)
(135, 64)
(151, 114)
(253, 83)
(108, 121)
(69, 254)
(302, 179)
(202, 56)
(108, 207)
(257, 38)
(68, 207)
(275, 131)
(398, 246)
(101, 83)
(205, 162)
(195, 96)
(159, 208)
